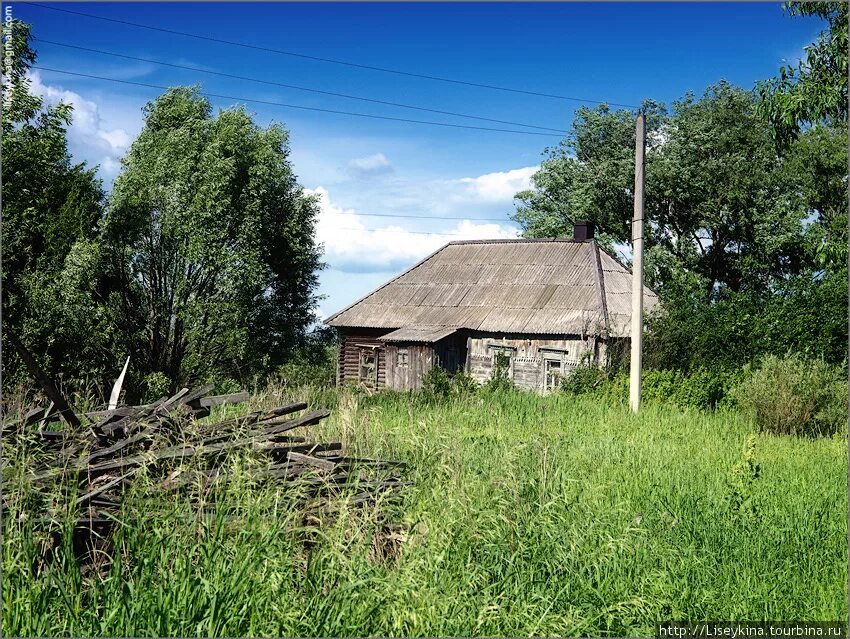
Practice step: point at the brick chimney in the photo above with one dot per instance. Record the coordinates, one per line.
(583, 231)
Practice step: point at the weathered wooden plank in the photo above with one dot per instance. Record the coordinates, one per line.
(47, 385)
(169, 403)
(317, 462)
(197, 394)
(188, 450)
(147, 433)
(105, 487)
(254, 417)
(218, 400)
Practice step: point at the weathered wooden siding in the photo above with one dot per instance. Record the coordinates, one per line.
(420, 359)
(528, 354)
(449, 353)
(349, 355)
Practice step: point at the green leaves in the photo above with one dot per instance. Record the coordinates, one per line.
(212, 238)
(815, 90)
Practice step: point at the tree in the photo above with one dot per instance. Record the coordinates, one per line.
(815, 91)
(51, 210)
(208, 242)
(717, 211)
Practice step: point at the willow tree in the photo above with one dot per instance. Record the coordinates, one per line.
(209, 242)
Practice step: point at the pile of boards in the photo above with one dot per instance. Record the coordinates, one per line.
(98, 460)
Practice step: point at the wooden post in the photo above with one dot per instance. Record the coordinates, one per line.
(47, 385)
(637, 267)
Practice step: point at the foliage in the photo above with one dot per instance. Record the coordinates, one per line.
(436, 383)
(528, 515)
(463, 383)
(314, 364)
(795, 396)
(500, 379)
(51, 210)
(156, 385)
(741, 483)
(209, 244)
(716, 201)
(807, 314)
(583, 379)
(814, 91)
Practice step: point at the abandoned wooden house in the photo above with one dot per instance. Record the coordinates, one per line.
(539, 308)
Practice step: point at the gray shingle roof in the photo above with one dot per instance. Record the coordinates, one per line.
(506, 286)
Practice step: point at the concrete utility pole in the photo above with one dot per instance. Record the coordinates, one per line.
(637, 267)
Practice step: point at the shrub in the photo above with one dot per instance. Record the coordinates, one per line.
(463, 383)
(660, 385)
(500, 378)
(584, 379)
(314, 366)
(156, 385)
(436, 382)
(794, 396)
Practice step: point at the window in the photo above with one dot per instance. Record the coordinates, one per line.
(554, 372)
(368, 367)
(403, 358)
(503, 361)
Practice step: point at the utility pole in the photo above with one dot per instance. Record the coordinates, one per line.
(637, 267)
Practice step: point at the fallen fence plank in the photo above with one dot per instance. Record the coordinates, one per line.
(105, 487)
(316, 462)
(218, 400)
(47, 385)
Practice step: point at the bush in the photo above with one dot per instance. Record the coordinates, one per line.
(436, 382)
(463, 383)
(794, 396)
(584, 379)
(311, 366)
(500, 380)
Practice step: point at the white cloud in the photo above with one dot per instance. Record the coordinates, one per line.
(369, 166)
(499, 186)
(352, 244)
(88, 136)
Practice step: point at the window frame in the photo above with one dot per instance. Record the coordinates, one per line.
(402, 358)
(364, 355)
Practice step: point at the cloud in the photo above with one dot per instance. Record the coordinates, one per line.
(370, 166)
(355, 246)
(499, 186)
(89, 136)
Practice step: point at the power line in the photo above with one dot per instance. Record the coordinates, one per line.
(298, 106)
(438, 217)
(245, 45)
(298, 88)
(389, 230)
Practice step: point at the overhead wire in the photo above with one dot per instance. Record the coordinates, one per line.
(299, 106)
(297, 87)
(422, 76)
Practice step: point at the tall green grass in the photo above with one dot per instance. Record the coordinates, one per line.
(555, 516)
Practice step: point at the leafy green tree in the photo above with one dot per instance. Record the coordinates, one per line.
(815, 91)
(717, 209)
(51, 209)
(208, 242)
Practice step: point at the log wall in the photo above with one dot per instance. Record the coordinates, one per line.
(528, 354)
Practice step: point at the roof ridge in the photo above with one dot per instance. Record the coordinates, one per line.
(517, 240)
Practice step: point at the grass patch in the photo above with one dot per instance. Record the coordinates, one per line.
(529, 515)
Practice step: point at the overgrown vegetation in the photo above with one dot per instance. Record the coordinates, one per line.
(746, 194)
(548, 515)
(793, 396)
(200, 264)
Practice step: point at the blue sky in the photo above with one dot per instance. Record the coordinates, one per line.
(617, 52)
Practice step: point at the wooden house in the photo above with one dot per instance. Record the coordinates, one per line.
(540, 307)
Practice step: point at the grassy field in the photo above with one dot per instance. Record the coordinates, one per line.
(528, 516)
